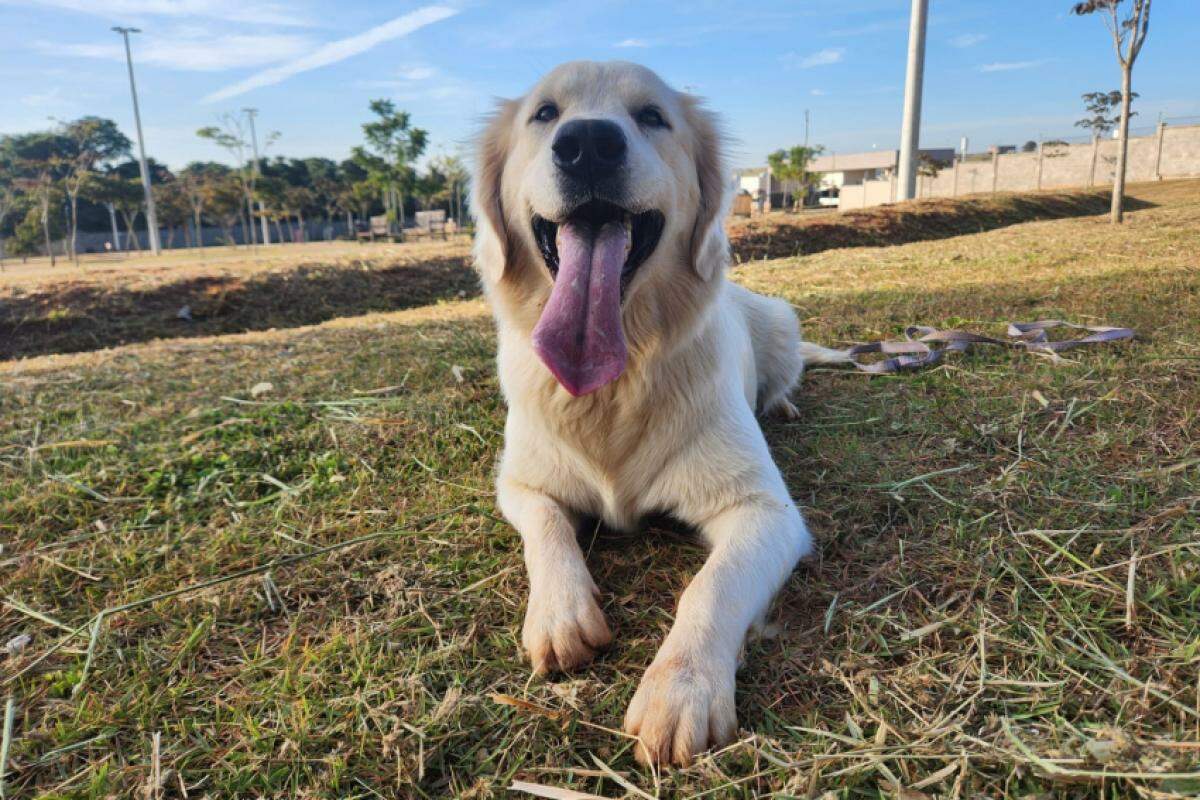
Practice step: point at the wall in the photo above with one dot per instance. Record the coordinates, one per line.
(1061, 165)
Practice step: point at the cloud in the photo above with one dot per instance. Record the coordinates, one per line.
(192, 50)
(818, 92)
(968, 39)
(418, 73)
(830, 55)
(1007, 66)
(251, 11)
(340, 50)
(632, 43)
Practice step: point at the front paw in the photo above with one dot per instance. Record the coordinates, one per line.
(564, 628)
(683, 707)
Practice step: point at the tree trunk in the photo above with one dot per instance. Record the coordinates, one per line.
(198, 229)
(1118, 196)
(46, 227)
(130, 234)
(75, 227)
(279, 230)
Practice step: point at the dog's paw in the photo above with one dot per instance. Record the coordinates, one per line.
(683, 707)
(564, 629)
(785, 409)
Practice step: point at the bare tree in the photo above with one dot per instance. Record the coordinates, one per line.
(1128, 34)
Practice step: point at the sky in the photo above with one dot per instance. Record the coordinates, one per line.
(995, 72)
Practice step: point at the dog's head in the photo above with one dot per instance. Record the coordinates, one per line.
(600, 197)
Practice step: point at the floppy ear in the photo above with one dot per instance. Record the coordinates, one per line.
(493, 243)
(710, 247)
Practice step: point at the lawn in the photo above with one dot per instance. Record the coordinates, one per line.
(1005, 599)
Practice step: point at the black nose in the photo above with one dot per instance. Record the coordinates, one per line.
(589, 149)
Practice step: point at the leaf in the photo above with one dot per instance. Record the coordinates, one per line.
(261, 388)
(551, 792)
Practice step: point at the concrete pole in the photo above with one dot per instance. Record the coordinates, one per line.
(262, 212)
(151, 215)
(910, 130)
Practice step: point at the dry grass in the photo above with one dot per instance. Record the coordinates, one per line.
(1004, 602)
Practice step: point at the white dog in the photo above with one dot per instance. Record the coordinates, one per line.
(632, 370)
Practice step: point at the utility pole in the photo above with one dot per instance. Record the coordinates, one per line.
(151, 215)
(262, 212)
(806, 128)
(910, 131)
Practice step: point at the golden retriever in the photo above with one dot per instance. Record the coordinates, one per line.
(632, 370)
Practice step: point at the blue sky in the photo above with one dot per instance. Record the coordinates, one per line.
(996, 72)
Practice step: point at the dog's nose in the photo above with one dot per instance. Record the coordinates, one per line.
(589, 149)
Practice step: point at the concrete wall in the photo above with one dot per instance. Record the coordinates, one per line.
(1169, 152)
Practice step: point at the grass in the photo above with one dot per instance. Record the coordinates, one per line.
(1004, 602)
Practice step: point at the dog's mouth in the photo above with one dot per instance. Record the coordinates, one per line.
(592, 255)
(644, 230)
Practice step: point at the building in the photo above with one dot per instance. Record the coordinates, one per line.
(837, 170)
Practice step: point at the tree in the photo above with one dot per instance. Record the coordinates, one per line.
(27, 236)
(1128, 34)
(792, 165)
(393, 145)
(171, 201)
(196, 181)
(9, 196)
(231, 135)
(1029, 147)
(38, 162)
(95, 141)
(456, 174)
(1104, 111)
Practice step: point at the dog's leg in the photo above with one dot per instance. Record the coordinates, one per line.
(563, 624)
(685, 702)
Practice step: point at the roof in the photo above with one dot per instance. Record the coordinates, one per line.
(842, 162)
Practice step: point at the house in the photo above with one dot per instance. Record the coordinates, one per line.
(836, 169)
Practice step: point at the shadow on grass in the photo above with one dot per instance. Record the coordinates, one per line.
(73, 318)
(782, 236)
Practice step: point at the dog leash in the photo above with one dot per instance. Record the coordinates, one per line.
(926, 347)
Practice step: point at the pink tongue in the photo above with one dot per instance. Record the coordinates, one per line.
(579, 334)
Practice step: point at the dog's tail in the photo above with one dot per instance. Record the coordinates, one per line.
(816, 354)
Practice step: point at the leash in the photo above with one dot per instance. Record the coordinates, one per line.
(926, 347)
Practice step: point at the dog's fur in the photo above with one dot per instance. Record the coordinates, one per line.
(675, 433)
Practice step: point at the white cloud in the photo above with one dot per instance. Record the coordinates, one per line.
(632, 43)
(340, 50)
(830, 55)
(418, 73)
(256, 12)
(189, 49)
(968, 39)
(818, 92)
(1006, 66)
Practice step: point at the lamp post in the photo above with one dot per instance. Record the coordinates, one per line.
(910, 130)
(151, 215)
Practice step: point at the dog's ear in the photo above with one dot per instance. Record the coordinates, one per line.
(493, 244)
(710, 247)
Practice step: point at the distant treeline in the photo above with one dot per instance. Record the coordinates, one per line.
(79, 177)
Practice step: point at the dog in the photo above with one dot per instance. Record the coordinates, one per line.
(633, 371)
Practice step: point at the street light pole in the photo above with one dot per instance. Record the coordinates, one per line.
(151, 215)
(262, 212)
(910, 131)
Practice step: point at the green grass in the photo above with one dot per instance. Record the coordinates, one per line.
(967, 627)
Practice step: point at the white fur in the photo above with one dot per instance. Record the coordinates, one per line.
(676, 433)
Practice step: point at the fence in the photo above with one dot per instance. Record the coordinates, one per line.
(1168, 150)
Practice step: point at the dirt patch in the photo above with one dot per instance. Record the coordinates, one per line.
(85, 315)
(780, 235)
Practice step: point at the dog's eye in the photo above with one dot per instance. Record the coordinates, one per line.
(651, 117)
(547, 112)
